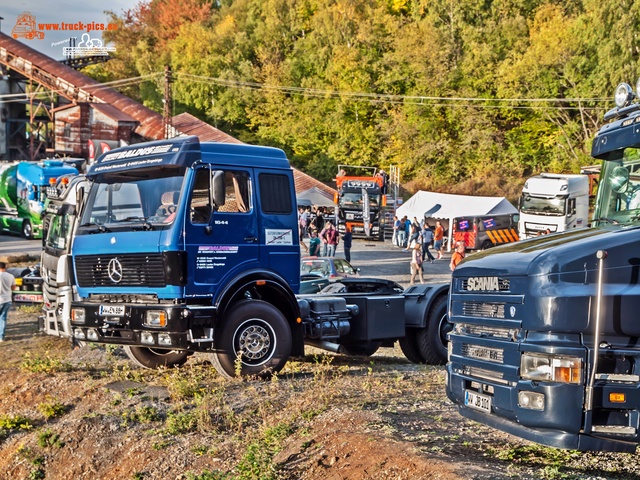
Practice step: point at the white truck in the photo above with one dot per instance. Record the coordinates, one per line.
(553, 202)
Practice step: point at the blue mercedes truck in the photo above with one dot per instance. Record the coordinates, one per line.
(545, 342)
(186, 247)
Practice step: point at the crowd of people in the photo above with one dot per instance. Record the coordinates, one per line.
(418, 238)
(323, 235)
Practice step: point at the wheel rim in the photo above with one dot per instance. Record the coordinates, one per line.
(26, 229)
(444, 327)
(255, 341)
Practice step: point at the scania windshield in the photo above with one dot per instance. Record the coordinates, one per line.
(619, 201)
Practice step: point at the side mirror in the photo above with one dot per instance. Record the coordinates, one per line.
(218, 188)
(619, 179)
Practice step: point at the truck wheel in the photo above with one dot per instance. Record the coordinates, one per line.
(27, 231)
(409, 346)
(146, 357)
(432, 340)
(486, 244)
(254, 338)
(362, 350)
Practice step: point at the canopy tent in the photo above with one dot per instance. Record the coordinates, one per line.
(446, 206)
(314, 196)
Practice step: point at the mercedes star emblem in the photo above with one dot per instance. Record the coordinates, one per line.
(114, 269)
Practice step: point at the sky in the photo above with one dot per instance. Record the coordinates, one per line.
(61, 13)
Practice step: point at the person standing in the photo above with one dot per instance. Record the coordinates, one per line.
(402, 237)
(438, 236)
(407, 232)
(396, 232)
(347, 239)
(427, 238)
(7, 285)
(457, 255)
(331, 238)
(416, 263)
(314, 244)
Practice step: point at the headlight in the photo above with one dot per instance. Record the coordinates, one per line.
(550, 368)
(155, 318)
(624, 95)
(77, 315)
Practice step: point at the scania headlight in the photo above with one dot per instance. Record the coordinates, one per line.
(550, 368)
(624, 95)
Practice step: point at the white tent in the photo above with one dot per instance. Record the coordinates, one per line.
(445, 206)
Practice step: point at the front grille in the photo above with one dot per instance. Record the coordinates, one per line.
(483, 309)
(495, 355)
(484, 374)
(137, 270)
(483, 284)
(485, 331)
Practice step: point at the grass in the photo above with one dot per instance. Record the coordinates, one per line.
(44, 364)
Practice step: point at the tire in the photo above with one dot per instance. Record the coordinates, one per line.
(362, 350)
(254, 336)
(486, 245)
(146, 357)
(409, 346)
(27, 231)
(432, 340)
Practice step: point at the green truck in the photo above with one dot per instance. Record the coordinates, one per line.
(22, 194)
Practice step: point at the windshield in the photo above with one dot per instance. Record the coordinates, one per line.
(542, 206)
(354, 200)
(618, 199)
(131, 199)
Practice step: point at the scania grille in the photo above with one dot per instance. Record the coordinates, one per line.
(483, 309)
(133, 270)
(495, 355)
(486, 284)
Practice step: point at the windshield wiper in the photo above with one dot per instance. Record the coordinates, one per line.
(608, 220)
(101, 228)
(145, 222)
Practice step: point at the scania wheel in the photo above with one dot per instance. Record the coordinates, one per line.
(432, 340)
(253, 339)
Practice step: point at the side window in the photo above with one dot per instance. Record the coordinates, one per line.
(237, 192)
(275, 194)
(200, 208)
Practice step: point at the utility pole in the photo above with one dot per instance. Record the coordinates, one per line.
(167, 126)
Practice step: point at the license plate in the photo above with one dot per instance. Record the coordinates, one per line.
(111, 310)
(477, 401)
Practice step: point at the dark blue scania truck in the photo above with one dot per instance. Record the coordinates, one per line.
(186, 247)
(546, 332)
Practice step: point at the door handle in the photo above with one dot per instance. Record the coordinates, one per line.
(250, 239)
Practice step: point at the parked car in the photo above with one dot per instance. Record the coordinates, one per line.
(329, 267)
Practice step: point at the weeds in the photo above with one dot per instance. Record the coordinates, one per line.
(51, 409)
(257, 462)
(49, 439)
(44, 364)
(180, 423)
(37, 462)
(15, 422)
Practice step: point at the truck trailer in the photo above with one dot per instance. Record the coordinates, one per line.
(553, 202)
(186, 247)
(545, 332)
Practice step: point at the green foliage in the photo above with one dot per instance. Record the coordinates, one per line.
(49, 439)
(180, 423)
(51, 409)
(15, 422)
(444, 90)
(45, 364)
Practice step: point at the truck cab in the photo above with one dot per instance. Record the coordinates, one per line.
(553, 203)
(480, 233)
(178, 237)
(544, 343)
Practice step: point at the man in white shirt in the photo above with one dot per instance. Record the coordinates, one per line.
(7, 284)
